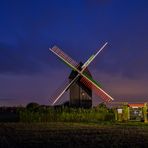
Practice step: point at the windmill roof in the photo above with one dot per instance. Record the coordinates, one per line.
(74, 73)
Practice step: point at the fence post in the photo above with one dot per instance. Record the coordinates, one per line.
(145, 112)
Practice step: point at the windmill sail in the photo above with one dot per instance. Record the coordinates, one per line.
(92, 84)
(65, 58)
(60, 92)
(56, 93)
(86, 64)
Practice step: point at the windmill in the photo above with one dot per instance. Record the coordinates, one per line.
(80, 75)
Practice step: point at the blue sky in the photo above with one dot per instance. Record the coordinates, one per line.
(28, 28)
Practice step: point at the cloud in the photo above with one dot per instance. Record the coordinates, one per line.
(16, 60)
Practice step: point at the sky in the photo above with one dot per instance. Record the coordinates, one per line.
(29, 72)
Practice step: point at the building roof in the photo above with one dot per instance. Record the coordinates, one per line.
(74, 73)
(136, 105)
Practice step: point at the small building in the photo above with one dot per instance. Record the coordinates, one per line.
(132, 112)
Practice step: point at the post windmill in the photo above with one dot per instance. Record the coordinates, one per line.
(80, 80)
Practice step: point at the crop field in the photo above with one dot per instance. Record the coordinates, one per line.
(73, 135)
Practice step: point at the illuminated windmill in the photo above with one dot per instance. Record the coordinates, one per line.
(81, 76)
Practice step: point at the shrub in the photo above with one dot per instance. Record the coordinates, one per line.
(35, 113)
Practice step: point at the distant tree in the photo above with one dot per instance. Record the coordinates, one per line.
(32, 106)
(102, 108)
(102, 105)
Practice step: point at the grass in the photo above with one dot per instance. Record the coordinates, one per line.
(69, 134)
(67, 115)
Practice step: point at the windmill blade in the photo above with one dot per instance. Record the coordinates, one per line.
(92, 84)
(64, 57)
(56, 98)
(58, 90)
(87, 63)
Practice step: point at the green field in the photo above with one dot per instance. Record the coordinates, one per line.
(73, 135)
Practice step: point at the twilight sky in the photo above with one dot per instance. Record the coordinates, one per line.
(29, 72)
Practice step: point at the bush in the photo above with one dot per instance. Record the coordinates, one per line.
(34, 113)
